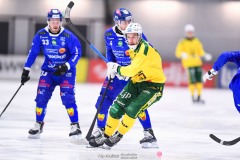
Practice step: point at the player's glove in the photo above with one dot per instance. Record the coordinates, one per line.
(112, 69)
(122, 77)
(60, 70)
(209, 75)
(25, 76)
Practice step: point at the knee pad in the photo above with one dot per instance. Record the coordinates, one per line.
(131, 112)
(116, 111)
(42, 98)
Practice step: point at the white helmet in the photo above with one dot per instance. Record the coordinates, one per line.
(189, 28)
(134, 28)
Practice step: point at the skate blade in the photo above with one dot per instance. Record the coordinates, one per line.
(148, 145)
(104, 146)
(36, 136)
(79, 141)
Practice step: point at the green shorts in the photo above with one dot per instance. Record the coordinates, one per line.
(135, 98)
(194, 74)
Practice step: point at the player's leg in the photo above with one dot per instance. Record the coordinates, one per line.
(140, 101)
(44, 93)
(199, 84)
(148, 133)
(115, 88)
(191, 82)
(67, 93)
(113, 119)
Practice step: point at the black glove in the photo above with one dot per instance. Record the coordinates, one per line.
(60, 70)
(25, 76)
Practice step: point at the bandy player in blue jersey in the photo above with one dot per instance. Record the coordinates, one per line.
(62, 50)
(234, 57)
(115, 50)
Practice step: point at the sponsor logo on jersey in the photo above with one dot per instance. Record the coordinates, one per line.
(41, 91)
(70, 111)
(69, 75)
(66, 84)
(101, 117)
(108, 34)
(55, 51)
(57, 56)
(54, 42)
(62, 94)
(39, 111)
(62, 50)
(120, 43)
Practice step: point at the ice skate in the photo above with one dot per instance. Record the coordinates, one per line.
(149, 140)
(114, 139)
(34, 133)
(98, 131)
(199, 100)
(97, 141)
(75, 134)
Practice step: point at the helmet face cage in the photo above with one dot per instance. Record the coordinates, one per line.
(134, 28)
(54, 13)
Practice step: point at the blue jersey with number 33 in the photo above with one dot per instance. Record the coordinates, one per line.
(57, 49)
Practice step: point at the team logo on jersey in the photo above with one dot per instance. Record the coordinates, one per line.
(120, 43)
(54, 42)
(62, 50)
(142, 116)
(39, 111)
(70, 111)
(101, 117)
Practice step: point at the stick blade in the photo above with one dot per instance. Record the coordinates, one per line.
(70, 4)
(215, 138)
(68, 10)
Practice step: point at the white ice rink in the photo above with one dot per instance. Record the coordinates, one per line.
(182, 129)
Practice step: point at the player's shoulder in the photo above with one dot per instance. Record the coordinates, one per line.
(42, 32)
(67, 33)
(197, 39)
(109, 32)
(143, 46)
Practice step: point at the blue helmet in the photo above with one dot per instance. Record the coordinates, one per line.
(54, 13)
(122, 14)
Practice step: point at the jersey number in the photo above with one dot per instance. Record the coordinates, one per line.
(45, 41)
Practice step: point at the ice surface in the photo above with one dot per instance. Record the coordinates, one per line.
(182, 128)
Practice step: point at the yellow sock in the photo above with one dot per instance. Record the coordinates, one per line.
(126, 124)
(111, 126)
(199, 88)
(191, 88)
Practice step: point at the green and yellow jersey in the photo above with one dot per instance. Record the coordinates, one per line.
(146, 65)
(194, 51)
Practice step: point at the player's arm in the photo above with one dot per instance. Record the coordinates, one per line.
(179, 51)
(33, 52)
(135, 66)
(109, 54)
(32, 55)
(231, 56)
(75, 51)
